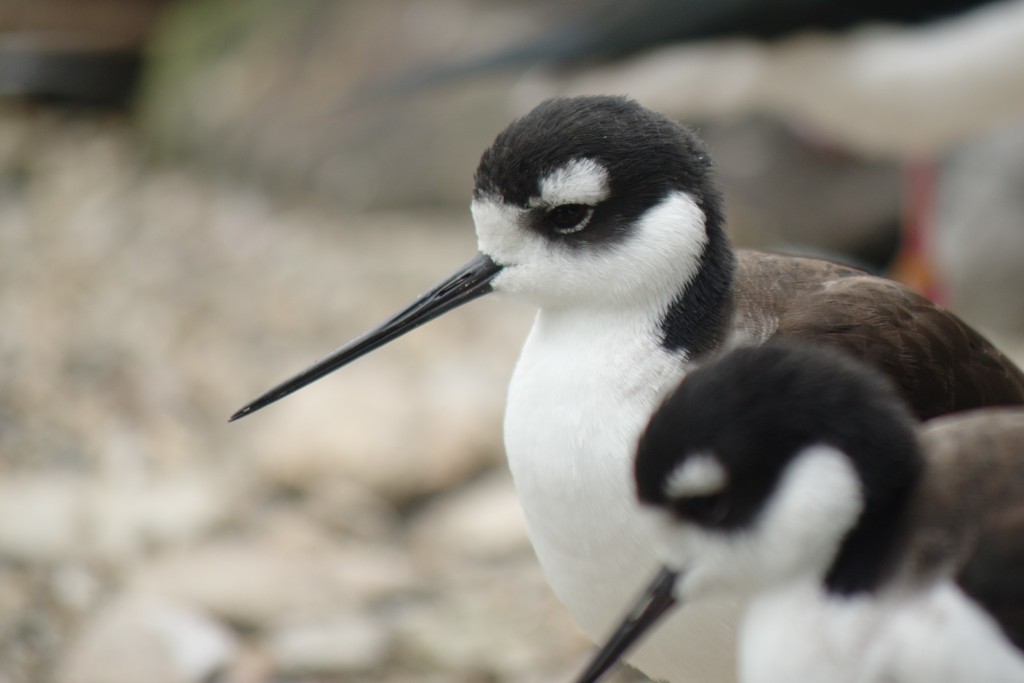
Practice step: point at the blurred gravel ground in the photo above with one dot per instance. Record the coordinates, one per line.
(364, 529)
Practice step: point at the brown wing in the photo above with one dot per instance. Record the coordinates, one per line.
(994, 575)
(971, 502)
(940, 364)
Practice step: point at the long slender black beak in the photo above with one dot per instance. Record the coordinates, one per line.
(469, 282)
(657, 599)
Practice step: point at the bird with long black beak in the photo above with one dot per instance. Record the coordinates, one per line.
(794, 480)
(606, 216)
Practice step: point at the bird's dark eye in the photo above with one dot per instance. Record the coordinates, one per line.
(710, 510)
(569, 218)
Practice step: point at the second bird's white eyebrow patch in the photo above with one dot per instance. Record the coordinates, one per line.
(581, 181)
(699, 475)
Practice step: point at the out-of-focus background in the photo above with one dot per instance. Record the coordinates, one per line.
(199, 197)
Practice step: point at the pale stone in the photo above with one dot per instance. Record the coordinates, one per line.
(345, 507)
(337, 645)
(129, 519)
(40, 518)
(482, 520)
(254, 582)
(148, 638)
(47, 518)
(498, 620)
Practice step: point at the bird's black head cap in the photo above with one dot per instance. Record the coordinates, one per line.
(645, 153)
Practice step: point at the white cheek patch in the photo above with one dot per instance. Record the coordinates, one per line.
(817, 500)
(699, 475)
(662, 255)
(581, 181)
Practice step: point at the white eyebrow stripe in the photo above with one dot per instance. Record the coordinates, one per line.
(699, 475)
(580, 181)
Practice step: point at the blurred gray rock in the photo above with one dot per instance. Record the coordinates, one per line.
(53, 509)
(148, 638)
(336, 645)
(257, 583)
(490, 625)
(481, 521)
(252, 665)
(71, 518)
(344, 507)
(76, 587)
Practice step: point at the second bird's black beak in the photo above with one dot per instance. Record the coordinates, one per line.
(657, 599)
(469, 282)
